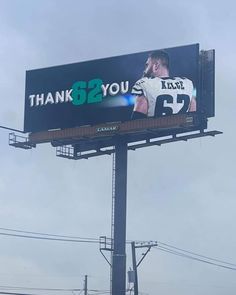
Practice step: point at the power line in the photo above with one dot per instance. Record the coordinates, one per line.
(104, 291)
(166, 247)
(67, 237)
(17, 288)
(11, 129)
(46, 234)
(11, 293)
(61, 236)
(101, 293)
(50, 289)
(196, 254)
(40, 289)
(50, 239)
(192, 257)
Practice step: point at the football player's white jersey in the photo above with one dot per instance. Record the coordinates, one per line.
(165, 96)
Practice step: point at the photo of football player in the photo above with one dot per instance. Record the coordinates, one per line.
(158, 94)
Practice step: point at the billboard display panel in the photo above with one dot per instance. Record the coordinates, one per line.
(141, 85)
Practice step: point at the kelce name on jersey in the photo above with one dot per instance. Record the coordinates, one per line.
(172, 85)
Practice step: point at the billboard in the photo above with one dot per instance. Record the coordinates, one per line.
(148, 84)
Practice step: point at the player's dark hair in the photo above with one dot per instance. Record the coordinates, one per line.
(162, 56)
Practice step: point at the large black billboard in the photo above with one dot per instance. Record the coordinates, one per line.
(148, 84)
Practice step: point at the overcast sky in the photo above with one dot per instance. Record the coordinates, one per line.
(182, 193)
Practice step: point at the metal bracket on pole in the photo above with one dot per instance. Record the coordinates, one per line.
(20, 141)
(105, 245)
(148, 245)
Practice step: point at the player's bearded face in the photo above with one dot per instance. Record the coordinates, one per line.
(148, 71)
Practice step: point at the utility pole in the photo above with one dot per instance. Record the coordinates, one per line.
(134, 268)
(86, 285)
(148, 245)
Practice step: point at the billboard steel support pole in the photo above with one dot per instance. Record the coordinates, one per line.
(119, 251)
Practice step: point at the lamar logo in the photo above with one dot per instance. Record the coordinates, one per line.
(106, 129)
